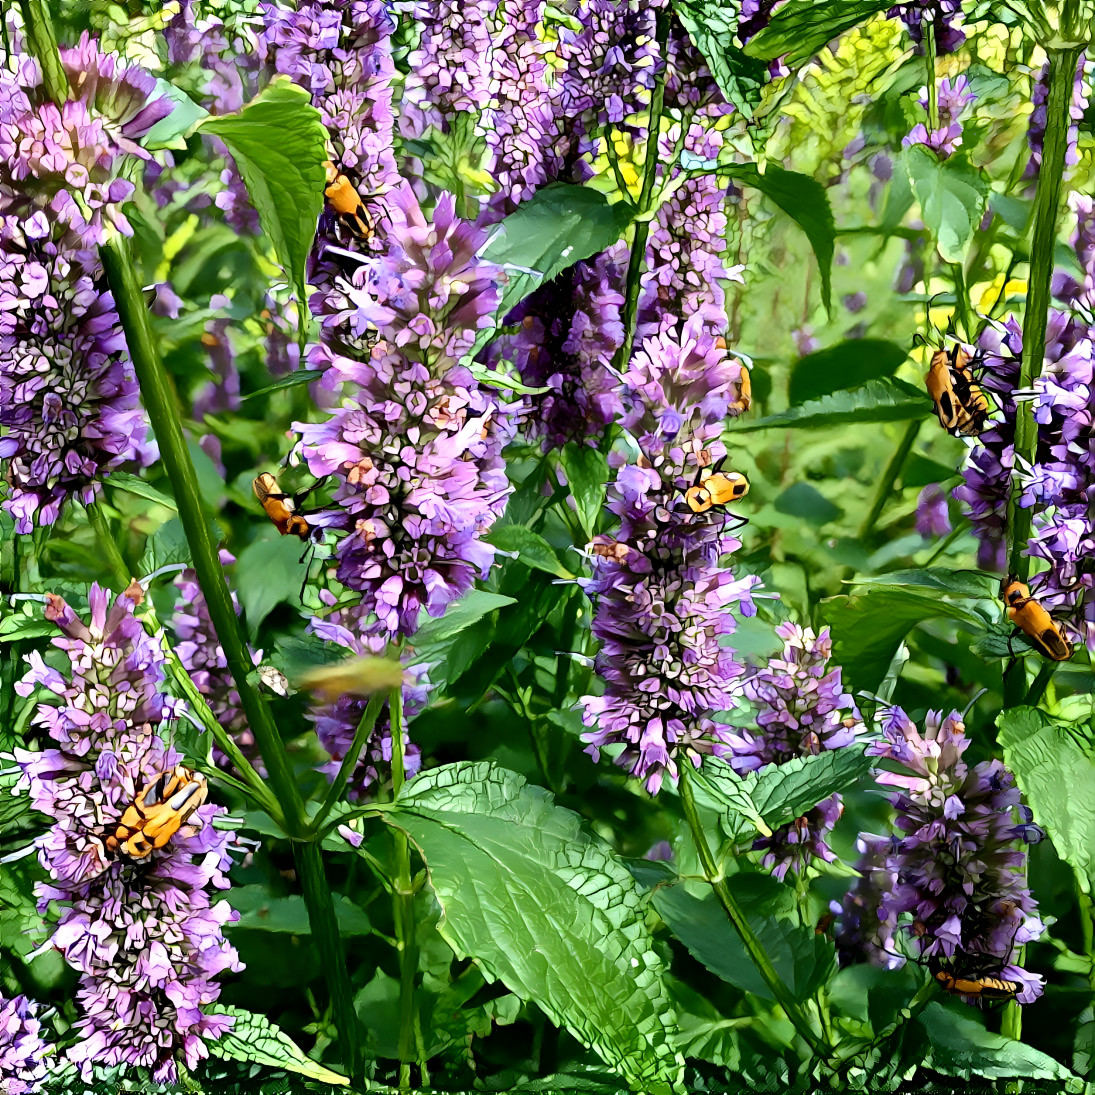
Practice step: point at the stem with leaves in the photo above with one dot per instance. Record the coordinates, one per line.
(403, 897)
(108, 545)
(159, 399)
(889, 477)
(1047, 208)
(741, 924)
(642, 223)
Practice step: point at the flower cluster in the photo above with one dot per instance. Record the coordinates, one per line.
(22, 1068)
(68, 396)
(662, 603)
(1055, 485)
(799, 701)
(953, 99)
(143, 934)
(951, 876)
(1036, 131)
(202, 655)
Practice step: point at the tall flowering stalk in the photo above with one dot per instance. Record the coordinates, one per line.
(799, 701)
(951, 878)
(662, 602)
(145, 935)
(68, 397)
(414, 443)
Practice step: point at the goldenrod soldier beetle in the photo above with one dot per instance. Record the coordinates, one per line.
(348, 204)
(158, 812)
(959, 982)
(960, 404)
(1033, 619)
(715, 488)
(745, 386)
(282, 508)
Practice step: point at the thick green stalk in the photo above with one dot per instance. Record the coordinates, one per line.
(403, 897)
(889, 477)
(324, 925)
(159, 401)
(108, 546)
(642, 227)
(1047, 207)
(737, 917)
(42, 43)
(927, 34)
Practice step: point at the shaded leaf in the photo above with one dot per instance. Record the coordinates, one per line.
(806, 501)
(868, 628)
(279, 144)
(532, 549)
(293, 380)
(956, 583)
(255, 1038)
(546, 908)
(132, 484)
(802, 959)
(713, 28)
(801, 28)
(952, 194)
(806, 202)
(960, 1046)
(185, 114)
(1057, 776)
(848, 364)
(259, 911)
(884, 400)
(268, 573)
(587, 474)
(561, 224)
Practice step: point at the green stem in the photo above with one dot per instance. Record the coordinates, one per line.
(403, 897)
(163, 413)
(42, 43)
(642, 227)
(108, 546)
(1047, 206)
(927, 29)
(349, 761)
(889, 478)
(1041, 683)
(741, 924)
(324, 925)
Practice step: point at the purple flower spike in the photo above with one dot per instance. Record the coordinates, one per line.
(953, 98)
(942, 15)
(139, 1005)
(22, 1067)
(662, 604)
(414, 444)
(802, 708)
(1036, 133)
(951, 877)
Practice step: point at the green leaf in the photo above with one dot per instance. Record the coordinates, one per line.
(942, 580)
(587, 474)
(561, 224)
(25, 623)
(532, 549)
(805, 501)
(780, 793)
(259, 911)
(952, 194)
(885, 400)
(868, 628)
(279, 144)
(269, 572)
(802, 28)
(132, 484)
(848, 364)
(293, 380)
(806, 202)
(713, 29)
(167, 545)
(1057, 776)
(547, 909)
(185, 114)
(960, 1046)
(473, 606)
(255, 1038)
(802, 959)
